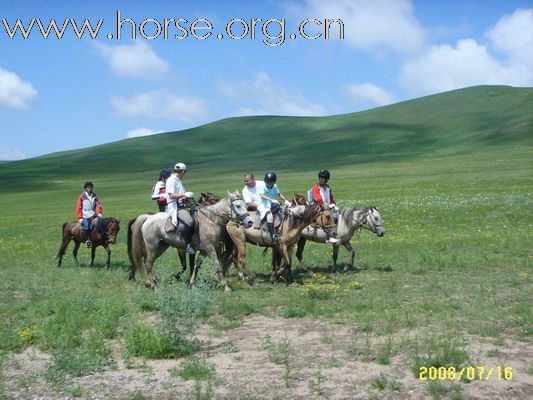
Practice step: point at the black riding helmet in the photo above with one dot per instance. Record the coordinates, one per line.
(87, 184)
(324, 173)
(270, 177)
(164, 174)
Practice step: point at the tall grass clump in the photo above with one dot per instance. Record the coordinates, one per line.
(180, 312)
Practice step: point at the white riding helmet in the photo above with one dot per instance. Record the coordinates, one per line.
(180, 167)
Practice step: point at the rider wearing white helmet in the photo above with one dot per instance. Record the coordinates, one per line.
(177, 197)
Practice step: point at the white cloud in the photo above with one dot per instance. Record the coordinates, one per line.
(469, 63)
(138, 132)
(370, 25)
(161, 104)
(268, 97)
(11, 154)
(513, 34)
(14, 92)
(136, 60)
(447, 67)
(368, 94)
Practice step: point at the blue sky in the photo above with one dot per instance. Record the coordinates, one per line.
(71, 93)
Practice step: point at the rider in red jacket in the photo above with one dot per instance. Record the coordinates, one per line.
(87, 207)
(321, 191)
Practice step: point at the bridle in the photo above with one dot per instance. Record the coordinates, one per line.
(233, 216)
(368, 223)
(328, 228)
(107, 230)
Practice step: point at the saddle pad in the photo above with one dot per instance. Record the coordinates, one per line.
(169, 226)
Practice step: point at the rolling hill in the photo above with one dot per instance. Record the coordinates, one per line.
(477, 119)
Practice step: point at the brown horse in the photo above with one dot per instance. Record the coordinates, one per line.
(299, 199)
(103, 233)
(295, 220)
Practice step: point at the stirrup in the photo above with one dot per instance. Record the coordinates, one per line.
(88, 243)
(190, 250)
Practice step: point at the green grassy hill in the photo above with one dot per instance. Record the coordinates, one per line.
(478, 119)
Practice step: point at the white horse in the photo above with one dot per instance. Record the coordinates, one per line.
(150, 239)
(350, 220)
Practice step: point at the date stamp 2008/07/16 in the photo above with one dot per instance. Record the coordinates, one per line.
(470, 373)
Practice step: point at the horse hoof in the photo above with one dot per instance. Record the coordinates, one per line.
(227, 289)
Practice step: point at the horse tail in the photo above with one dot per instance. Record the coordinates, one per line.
(62, 239)
(130, 239)
(138, 248)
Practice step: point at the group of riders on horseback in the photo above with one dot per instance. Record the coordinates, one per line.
(260, 197)
(225, 223)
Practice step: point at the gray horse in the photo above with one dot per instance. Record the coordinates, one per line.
(350, 220)
(150, 239)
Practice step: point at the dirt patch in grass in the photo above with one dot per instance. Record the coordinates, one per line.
(267, 358)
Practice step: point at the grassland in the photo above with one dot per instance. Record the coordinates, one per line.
(450, 284)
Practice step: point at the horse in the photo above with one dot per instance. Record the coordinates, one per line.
(104, 233)
(149, 239)
(294, 221)
(299, 200)
(206, 199)
(350, 220)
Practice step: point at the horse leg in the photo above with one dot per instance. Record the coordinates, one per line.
(286, 254)
(300, 254)
(183, 262)
(349, 247)
(149, 265)
(238, 237)
(195, 269)
(93, 253)
(276, 264)
(75, 252)
(335, 256)
(108, 263)
(220, 275)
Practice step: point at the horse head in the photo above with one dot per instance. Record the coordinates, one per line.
(326, 221)
(111, 230)
(208, 198)
(238, 209)
(374, 222)
(299, 200)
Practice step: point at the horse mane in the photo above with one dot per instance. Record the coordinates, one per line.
(309, 212)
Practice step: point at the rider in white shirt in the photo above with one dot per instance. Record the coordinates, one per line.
(251, 193)
(177, 196)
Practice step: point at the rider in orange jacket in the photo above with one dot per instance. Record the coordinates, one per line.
(87, 207)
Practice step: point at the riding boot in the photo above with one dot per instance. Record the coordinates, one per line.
(85, 238)
(273, 235)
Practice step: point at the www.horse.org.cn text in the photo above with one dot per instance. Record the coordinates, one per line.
(271, 31)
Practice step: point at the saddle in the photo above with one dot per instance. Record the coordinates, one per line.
(261, 223)
(93, 225)
(183, 227)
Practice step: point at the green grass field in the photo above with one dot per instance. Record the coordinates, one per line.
(452, 175)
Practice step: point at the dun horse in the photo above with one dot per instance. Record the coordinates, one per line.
(296, 219)
(149, 239)
(350, 220)
(104, 233)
